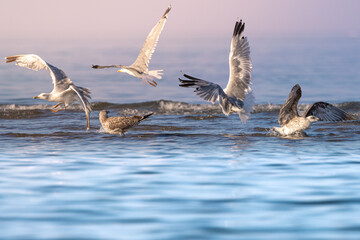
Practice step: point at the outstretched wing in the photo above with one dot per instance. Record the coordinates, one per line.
(83, 95)
(240, 64)
(142, 61)
(289, 110)
(34, 62)
(108, 66)
(327, 112)
(210, 92)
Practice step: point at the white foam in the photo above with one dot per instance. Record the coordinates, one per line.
(185, 108)
(16, 107)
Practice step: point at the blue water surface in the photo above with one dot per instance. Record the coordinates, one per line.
(180, 174)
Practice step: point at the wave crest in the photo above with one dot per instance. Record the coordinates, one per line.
(161, 107)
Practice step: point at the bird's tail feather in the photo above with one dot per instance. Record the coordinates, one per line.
(243, 108)
(249, 102)
(149, 77)
(146, 116)
(156, 73)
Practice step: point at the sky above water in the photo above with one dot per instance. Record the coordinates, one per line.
(68, 19)
(313, 43)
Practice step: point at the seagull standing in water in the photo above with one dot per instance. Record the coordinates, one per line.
(140, 68)
(290, 121)
(119, 124)
(65, 91)
(237, 96)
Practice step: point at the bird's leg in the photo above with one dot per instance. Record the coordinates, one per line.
(152, 82)
(55, 106)
(56, 110)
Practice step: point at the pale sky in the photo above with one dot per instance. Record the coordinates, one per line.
(121, 18)
(61, 32)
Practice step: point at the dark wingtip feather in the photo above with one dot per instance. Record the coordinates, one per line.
(166, 12)
(239, 28)
(182, 80)
(186, 83)
(296, 89)
(10, 59)
(349, 116)
(190, 77)
(337, 114)
(95, 66)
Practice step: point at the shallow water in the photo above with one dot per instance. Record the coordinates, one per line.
(192, 175)
(188, 172)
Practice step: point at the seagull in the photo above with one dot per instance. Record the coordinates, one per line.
(119, 125)
(140, 68)
(290, 121)
(65, 91)
(237, 96)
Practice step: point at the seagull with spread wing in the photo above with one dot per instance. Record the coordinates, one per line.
(140, 68)
(237, 96)
(65, 91)
(291, 122)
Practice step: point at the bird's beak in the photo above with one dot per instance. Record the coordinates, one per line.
(119, 70)
(35, 97)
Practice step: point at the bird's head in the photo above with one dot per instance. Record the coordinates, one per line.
(313, 118)
(44, 96)
(125, 69)
(103, 113)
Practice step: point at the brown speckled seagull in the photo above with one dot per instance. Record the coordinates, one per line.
(120, 124)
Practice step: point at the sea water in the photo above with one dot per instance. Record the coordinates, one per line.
(187, 172)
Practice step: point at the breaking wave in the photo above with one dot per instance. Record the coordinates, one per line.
(161, 107)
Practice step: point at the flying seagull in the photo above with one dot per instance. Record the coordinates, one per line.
(119, 125)
(292, 123)
(65, 91)
(237, 96)
(140, 68)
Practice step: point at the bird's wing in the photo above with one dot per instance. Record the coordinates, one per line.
(327, 112)
(142, 61)
(34, 62)
(289, 110)
(210, 92)
(83, 95)
(240, 64)
(123, 122)
(108, 66)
